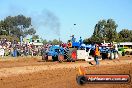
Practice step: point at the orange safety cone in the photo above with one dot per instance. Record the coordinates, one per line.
(82, 70)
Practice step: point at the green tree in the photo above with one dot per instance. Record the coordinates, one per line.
(110, 29)
(45, 41)
(125, 35)
(55, 42)
(49, 42)
(31, 31)
(3, 28)
(104, 30)
(17, 25)
(35, 37)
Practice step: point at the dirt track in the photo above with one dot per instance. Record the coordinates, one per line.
(34, 73)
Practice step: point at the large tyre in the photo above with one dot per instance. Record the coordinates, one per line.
(123, 53)
(61, 58)
(81, 80)
(55, 58)
(104, 56)
(127, 53)
(72, 54)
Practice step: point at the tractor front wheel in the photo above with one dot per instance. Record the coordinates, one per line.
(54, 58)
(60, 58)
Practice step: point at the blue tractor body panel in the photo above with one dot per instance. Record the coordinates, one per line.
(55, 51)
(76, 44)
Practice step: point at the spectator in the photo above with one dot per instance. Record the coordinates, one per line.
(97, 53)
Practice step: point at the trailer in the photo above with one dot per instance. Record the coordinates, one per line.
(86, 52)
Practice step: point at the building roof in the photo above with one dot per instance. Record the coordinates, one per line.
(125, 43)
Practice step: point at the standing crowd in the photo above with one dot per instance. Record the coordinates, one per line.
(14, 48)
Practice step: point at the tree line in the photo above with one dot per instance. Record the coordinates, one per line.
(16, 26)
(106, 30)
(53, 42)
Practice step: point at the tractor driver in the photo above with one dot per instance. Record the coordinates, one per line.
(80, 41)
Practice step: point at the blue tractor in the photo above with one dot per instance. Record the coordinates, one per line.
(58, 53)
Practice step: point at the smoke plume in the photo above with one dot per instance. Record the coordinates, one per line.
(47, 20)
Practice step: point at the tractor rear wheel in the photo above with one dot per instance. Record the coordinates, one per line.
(72, 54)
